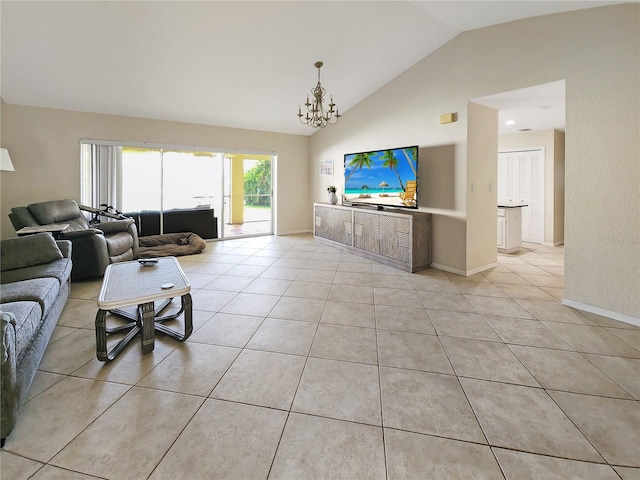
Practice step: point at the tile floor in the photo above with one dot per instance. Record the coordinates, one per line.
(306, 362)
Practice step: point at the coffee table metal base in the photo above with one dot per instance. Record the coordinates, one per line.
(146, 321)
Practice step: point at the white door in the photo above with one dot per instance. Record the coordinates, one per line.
(521, 181)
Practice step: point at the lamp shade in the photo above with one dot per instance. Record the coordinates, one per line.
(5, 161)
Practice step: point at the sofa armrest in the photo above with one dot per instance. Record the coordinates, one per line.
(8, 374)
(89, 253)
(72, 235)
(65, 247)
(114, 226)
(7, 335)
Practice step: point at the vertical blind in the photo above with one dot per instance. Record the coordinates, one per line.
(101, 170)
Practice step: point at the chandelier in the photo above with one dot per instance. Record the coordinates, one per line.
(317, 114)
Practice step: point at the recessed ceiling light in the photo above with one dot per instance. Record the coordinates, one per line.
(509, 122)
(524, 129)
(545, 107)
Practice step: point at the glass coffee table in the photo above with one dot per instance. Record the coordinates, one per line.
(143, 284)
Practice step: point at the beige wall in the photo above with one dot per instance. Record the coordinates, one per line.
(482, 197)
(45, 150)
(558, 187)
(554, 163)
(404, 112)
(596, 51)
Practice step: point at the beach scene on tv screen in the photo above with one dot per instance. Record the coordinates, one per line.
(382, 177)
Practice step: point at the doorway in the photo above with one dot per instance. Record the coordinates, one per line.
(530, 119)
(248, 195)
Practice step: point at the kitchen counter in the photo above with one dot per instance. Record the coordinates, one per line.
(509, 228)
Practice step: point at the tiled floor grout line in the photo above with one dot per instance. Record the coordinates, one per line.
(377, 331)
(583, 355)
(464, 392)
(577, 427)
(204, 400)
(384, 443)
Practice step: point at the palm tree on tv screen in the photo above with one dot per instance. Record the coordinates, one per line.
(390, 161)
(357, 162)
(411, 158)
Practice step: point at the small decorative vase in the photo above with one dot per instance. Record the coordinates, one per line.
(333, 198)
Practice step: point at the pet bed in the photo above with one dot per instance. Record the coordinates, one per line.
(171, 244)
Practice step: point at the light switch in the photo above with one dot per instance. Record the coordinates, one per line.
(473, 187)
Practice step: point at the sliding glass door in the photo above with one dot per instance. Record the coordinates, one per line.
(141, 180)
(248, 195)
(157, 179)
(161, 187)
(191, 180)
(174, 183)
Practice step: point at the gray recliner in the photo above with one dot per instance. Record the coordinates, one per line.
(94, 246)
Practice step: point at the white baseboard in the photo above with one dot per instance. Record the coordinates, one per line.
(445, 268)
(601, 311)
(553, 244)
(464, 273)
(293, 232)
(481, 269)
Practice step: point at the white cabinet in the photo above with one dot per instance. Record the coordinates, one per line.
(509, 229)
(398, 238)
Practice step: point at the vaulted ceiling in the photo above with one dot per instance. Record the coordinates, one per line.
(236, 63)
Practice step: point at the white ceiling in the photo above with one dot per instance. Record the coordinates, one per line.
(541, 107)
(238, 64)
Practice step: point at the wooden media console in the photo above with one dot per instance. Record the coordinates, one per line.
(399, 238)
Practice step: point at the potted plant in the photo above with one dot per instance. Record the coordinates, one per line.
(333, 198)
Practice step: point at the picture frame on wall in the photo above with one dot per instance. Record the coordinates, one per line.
(326, 166)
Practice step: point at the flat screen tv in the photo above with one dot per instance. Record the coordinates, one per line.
(382, 178)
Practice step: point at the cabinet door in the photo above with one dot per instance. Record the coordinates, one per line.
(502, 232)
(395, 237)
(387, 235)
(366, 231)
(334, 224)
(322, 222)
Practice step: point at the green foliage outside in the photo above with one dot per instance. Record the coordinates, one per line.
(257, 185)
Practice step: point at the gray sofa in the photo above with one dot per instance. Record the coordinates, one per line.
(35, 274)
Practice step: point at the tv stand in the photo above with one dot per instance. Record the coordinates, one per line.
(401, 239)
